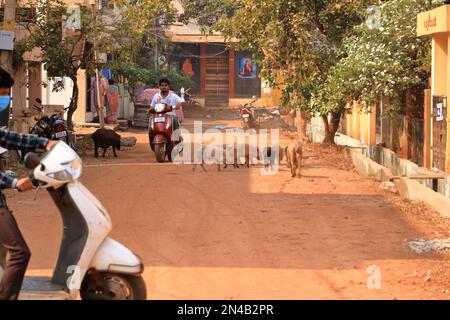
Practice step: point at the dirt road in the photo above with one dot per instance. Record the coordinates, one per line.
(240, 235)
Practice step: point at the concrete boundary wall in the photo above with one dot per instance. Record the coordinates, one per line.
(381, 163)
(407, 188)
(384, 157)
(401, 167)
(367, 167)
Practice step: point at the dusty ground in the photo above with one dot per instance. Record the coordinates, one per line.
(240, 235)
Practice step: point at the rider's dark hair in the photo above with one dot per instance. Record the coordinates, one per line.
(6, 81)
(164, 80)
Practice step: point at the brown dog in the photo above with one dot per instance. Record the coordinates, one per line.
(294, 158)
(236, 161)
(269, 156)
(202, 164)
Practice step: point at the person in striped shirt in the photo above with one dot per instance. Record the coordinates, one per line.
(11, 238)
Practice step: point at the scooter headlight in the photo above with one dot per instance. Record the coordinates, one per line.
(159, 107)
(73, 168)
(62, 175)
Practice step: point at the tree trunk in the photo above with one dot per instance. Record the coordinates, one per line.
(331, 127)
(302, 123)
(73, 104)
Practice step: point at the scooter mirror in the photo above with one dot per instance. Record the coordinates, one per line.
(31, 160)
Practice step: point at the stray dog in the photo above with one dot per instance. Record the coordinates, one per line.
(269, 157)
(236, 160)
(202, 164)
(294, 157)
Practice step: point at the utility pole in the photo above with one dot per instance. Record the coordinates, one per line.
(9, 19)
(101, 110)
(156, 53)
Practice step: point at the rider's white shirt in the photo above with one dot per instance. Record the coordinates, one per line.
(172, 99)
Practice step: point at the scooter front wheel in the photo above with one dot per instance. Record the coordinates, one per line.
(113, 286)
(160, 152)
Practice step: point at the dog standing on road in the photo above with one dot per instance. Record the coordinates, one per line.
(236, 161)
(231, 151)
(269, 156)
(294, 157)
(200, 152)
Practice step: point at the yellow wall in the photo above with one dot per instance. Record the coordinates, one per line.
(270, 97)
(437, 24)
(439, 81)
(360, 124)
(434, 21)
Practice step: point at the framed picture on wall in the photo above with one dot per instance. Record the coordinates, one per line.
(246, 76)
(247, 68)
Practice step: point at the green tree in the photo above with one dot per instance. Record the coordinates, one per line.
(138, 26)
(63, 52)
(299, 40)
(136, 30)
(380, 62)
(208, 12)
(120, 33)
(136, 75)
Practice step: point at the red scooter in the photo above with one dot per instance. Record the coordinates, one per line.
(160, 132)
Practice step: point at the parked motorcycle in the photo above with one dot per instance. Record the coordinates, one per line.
(160, 132)
(53, 127)
(90, 264)
(249, 121)
(186, 95)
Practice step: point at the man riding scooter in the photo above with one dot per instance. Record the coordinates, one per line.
(164, 136)
(10, 236)
(165, 96)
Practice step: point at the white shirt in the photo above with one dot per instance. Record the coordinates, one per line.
(172, 99)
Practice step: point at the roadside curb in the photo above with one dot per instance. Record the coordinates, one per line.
(415, 191)
(407, 188)
(367, 167)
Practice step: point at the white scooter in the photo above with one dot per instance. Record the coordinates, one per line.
(90, 264)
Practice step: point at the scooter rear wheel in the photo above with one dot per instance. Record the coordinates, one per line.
(113, 286)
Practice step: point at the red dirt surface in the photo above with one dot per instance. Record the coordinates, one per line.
(238, 234)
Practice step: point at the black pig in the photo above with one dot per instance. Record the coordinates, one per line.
(105, 138)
